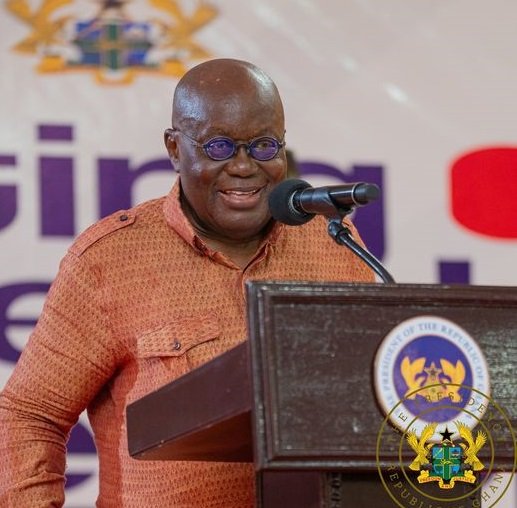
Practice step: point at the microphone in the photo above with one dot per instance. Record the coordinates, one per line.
(295, 202)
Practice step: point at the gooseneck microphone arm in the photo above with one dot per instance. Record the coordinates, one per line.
(295, 202)
(342, 236)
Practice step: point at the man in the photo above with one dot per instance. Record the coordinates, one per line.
(150, 293)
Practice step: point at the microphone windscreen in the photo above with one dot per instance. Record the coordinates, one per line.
(366, 192)
(281, 202)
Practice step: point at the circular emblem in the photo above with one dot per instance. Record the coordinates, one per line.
(431, 370)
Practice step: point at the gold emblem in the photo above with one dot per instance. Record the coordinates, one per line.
(419, 445)
(472, 447)
(441, 382)
(45, 32)
(446, 462)
(111, 45)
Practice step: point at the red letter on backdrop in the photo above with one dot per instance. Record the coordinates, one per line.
(484, 191)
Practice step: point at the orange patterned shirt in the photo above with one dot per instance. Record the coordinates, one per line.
(138, 301)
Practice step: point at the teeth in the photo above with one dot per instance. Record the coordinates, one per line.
(241, 193)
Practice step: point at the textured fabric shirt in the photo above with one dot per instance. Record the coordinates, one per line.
(140, 300)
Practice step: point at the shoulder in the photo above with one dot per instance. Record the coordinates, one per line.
(110, 226)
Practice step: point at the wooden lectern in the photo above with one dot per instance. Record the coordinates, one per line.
(297, 399)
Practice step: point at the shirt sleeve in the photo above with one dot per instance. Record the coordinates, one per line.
(69, 357)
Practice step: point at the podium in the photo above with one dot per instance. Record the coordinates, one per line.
(297, 398)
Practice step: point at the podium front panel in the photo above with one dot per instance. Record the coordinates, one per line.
(312, 350)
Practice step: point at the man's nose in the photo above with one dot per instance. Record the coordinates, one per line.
(242, 163)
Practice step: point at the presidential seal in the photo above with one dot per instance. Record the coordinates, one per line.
(432, 371)
(444, 440)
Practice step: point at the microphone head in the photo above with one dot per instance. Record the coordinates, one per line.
(366, 192)
(281, 202)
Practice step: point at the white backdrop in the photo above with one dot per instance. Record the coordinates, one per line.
(405, 88)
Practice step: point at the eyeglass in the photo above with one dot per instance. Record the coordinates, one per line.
(222, 148)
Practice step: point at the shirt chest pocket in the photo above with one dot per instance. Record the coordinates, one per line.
(178, 346)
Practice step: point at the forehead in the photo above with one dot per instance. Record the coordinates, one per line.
(240, 117)
(235, 105)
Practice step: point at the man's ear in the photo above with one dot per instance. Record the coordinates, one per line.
(170, 137)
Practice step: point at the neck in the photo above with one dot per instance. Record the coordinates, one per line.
(240, 252)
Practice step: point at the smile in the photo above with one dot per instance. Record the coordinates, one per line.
(241, 198)
(241, 192)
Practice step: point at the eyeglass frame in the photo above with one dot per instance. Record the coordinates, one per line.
(236, 146)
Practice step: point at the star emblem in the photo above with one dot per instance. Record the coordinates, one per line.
(446, 434)
(433, 371)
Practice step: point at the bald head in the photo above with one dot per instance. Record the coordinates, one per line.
(223, 83)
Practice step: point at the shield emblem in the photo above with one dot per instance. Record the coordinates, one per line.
(446, 461)
(114, 45)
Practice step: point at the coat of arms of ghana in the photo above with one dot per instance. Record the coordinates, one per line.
(446, 462)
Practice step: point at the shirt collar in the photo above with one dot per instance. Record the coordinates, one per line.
(175, 217)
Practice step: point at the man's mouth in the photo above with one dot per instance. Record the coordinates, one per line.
(237, 192)
(241, 197)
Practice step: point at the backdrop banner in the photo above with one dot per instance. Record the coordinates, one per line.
(417, 97)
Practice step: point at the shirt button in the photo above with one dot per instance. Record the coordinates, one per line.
(177, 345)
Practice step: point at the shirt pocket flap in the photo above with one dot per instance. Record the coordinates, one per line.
(177, 337)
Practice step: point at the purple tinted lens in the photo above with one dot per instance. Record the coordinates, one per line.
(264, 149)
(219, 148)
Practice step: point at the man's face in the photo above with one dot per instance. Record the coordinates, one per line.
(228, 200)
